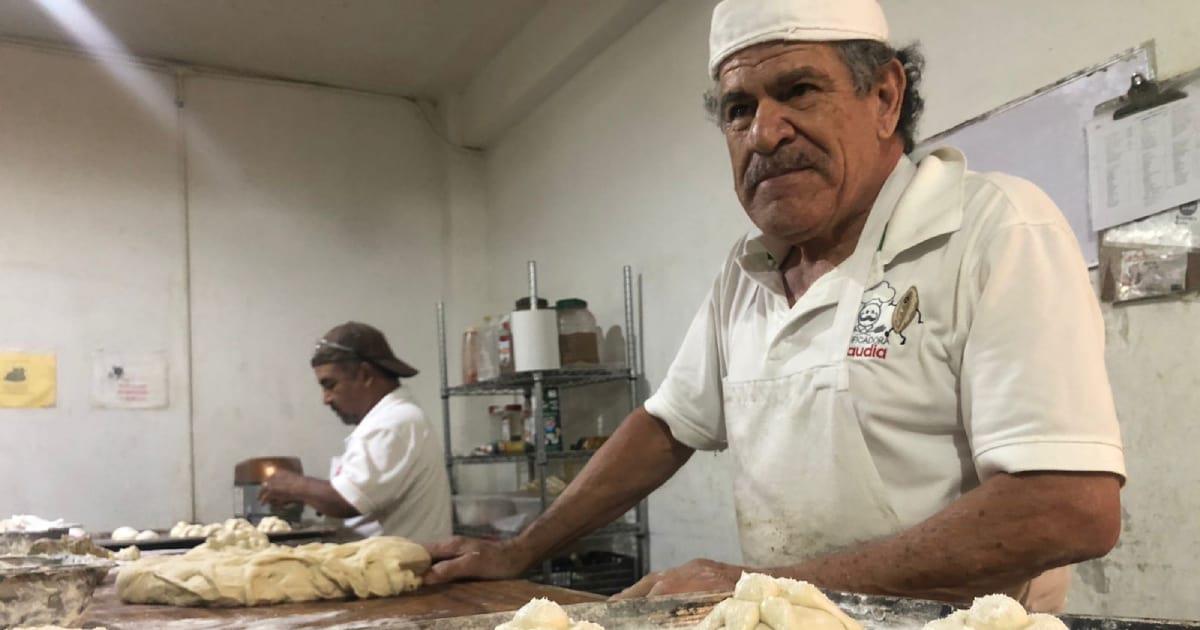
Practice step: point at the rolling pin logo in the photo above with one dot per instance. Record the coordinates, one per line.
(880, 318)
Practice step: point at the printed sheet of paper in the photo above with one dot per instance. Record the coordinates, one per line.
(28, 380)
(1145, 163)
(127, 380)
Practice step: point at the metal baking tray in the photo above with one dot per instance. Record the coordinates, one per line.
(872, 611)
(17, 543)
(38, 590)
(304, 534)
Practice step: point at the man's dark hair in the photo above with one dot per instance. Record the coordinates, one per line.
(864, 58)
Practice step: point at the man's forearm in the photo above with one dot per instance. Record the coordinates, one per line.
(637, 459)
(324, 498)
(992, 539)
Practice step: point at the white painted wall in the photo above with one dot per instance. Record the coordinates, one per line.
(91, 256)
(620, 166)
(305, 207)
(309, 207)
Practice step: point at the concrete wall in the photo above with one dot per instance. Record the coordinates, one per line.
(620, 166)
(309, 207)
(91, 257)
(305, 207)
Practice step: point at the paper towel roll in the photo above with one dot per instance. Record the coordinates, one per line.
(535, 340)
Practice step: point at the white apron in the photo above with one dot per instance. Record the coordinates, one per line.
(792, 505)
(796, 505)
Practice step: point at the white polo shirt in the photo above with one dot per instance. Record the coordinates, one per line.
(1001, 370)
(392, 472)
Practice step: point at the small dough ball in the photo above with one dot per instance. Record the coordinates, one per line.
(209, 530)
(956, 620)
(147, 534)
(274, 524)
(755, 587)
(997, 612)
(179, 530)
(128, 554)
(77, 532)
(234, 524)
(124, 533)
(541, 614)
(1042, 621)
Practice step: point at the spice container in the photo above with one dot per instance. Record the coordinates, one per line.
(578, 343)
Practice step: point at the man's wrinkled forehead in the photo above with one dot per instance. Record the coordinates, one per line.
(761, 62)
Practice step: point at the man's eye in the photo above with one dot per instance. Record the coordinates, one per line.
(800, 89)
(736, 111)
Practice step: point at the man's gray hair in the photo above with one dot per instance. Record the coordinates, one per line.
(864, 58)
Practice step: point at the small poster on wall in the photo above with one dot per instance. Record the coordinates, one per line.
(128, 380)
(28, 380)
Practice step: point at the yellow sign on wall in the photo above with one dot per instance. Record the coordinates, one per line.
(28, 380)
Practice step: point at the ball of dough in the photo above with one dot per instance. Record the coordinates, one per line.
(129, 553)
(541, 614)
(274, 524)
(954, 621)
(178, 531)
(755, 587)
(124, 533)
(147, 534)
(997, 612)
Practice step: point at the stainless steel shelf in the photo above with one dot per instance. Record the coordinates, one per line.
(612, 530)
(522, 457)
(522, 382)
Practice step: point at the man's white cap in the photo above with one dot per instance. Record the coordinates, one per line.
(738, 24)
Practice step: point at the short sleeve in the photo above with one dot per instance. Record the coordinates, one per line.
(376, 467)
(689, 398)
(1035, 391)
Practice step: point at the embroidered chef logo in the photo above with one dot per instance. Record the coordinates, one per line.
(882, 318)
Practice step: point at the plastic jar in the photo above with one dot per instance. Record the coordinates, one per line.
(578, 343)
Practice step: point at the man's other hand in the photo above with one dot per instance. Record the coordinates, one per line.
(470, 558)
(697, 576)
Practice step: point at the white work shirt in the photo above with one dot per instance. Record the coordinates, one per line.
(392, 472)
(1001, 369)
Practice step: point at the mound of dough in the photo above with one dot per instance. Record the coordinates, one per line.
(269, 525)
(996, 612)
(543, 614)
(124, 533)
(128, 554)
(274, 525)
(761, 601)
(376, 567)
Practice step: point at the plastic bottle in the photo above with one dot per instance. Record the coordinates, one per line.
(488, 361)
(470, 356)
(504, 347)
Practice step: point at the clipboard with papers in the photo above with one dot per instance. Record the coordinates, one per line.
(1144, 184)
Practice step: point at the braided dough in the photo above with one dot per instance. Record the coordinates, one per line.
(761, 602)
(234, 576)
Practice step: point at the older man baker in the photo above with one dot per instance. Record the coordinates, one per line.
(905, 359)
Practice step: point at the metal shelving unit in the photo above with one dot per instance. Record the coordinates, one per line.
(531, 385)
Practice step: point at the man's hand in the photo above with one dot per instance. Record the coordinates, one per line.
(462, 558)
(285, 487)
(282, 488)
(697, 576)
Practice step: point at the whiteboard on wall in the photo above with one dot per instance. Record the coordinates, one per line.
(1041, 137)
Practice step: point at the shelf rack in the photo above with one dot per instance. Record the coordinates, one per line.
(531, 386)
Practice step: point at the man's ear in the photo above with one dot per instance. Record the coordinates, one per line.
(889, 94)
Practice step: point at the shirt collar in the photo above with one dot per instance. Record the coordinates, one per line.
(931, 204)
(398, 395)
(928, 203)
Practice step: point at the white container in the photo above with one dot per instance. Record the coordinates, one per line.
(535, 340)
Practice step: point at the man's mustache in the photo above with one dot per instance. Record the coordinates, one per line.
(763, 167)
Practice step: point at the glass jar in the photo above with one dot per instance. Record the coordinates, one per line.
(578, 341)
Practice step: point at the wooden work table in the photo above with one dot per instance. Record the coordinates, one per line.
(434, 602)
